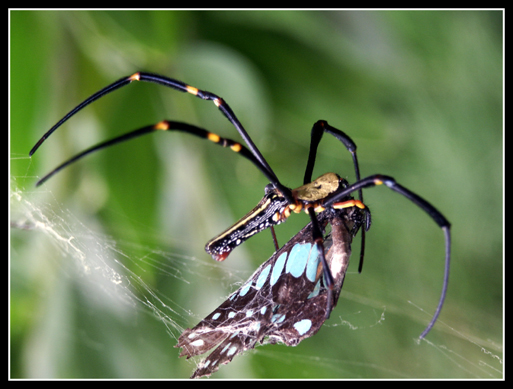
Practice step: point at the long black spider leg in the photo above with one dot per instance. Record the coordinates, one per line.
(259, 160)
(161, 126)
(318, 130)
(219, 102)
(110, 88)
(318, 240)
(440, 219)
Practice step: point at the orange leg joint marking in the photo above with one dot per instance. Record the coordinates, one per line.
(319, 208)
(296, 207)
(135, 77)
(236, 147)
(349, 203)
(163, 125)
(213, 137)
(192, 90)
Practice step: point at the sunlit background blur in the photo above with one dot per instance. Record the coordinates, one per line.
(420, 92)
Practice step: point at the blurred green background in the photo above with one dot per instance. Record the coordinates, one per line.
(421, 94)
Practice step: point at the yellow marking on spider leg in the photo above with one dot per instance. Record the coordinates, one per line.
(349, 203)
(135, 77)
(319, 208)
(192, 90)
(236, 147)
(213, 137)
(297, 207)
(163, 125)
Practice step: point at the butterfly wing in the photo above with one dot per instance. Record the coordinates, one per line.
(285, 300)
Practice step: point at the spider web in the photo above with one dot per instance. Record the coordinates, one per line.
(108, 275)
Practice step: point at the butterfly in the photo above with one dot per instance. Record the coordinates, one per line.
(284, 301)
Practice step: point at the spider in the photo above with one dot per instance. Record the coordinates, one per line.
(326, 199)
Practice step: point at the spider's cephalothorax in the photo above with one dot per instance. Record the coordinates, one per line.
(290, 296)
